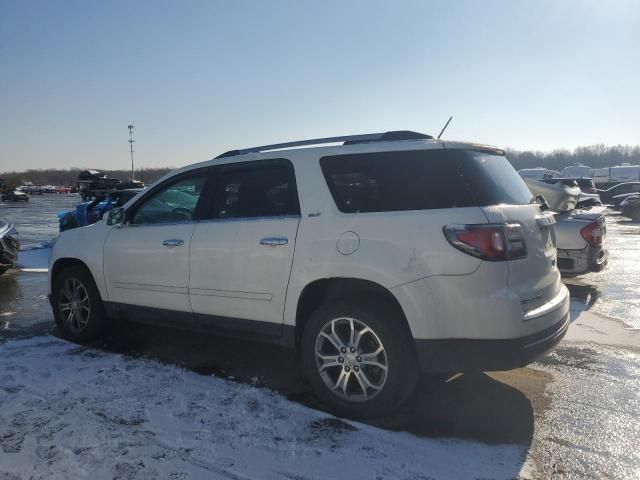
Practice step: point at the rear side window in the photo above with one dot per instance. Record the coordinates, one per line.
(252, 190)
(396, 181)
(491, 178)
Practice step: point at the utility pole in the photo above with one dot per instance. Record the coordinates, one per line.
(131, 142)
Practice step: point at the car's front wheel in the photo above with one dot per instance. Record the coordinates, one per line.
(359, 357)
(77, 305)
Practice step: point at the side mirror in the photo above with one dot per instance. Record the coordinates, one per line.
(543, 202)
(115, 217)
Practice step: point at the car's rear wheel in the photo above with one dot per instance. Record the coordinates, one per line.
(359, 357)
(77, 305)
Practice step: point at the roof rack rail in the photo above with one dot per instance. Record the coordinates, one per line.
(347, 140)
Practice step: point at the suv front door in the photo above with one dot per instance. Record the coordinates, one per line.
(241, 256)
(146, 261)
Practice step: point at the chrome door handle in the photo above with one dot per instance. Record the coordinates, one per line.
(274, 241)
(174, 242)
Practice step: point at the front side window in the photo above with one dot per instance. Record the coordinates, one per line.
(173, 203)
(250, 191)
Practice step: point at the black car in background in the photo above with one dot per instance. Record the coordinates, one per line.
(14, 196)
(607, 196)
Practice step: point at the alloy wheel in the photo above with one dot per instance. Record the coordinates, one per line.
(74, 305)
(351, 359)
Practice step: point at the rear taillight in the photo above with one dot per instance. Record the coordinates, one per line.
(594, 233)
(494, 242)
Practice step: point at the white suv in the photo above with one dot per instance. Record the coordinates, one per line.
(384, 256)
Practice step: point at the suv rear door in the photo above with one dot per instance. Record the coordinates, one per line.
(241, 255)
(505, 198)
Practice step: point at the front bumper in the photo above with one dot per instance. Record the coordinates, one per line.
(9, 247)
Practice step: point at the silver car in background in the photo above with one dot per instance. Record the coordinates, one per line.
(580, 232)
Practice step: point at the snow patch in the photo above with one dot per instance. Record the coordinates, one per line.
(68, 411)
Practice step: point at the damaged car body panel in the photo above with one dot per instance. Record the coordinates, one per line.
(580, 233)
(9, 246)
(560, 197)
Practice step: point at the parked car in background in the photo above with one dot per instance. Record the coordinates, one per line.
(87, 213)
(581, 235)
(608, 196)
(580, 232)
(588, 191)
(630, 207)
(376, 259)
(559, 197)
(9, 246)
(14, 196)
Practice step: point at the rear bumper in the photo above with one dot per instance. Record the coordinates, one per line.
(472, 355)
(577, 262)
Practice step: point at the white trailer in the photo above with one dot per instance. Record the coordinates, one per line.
(601, 175)
(577, 171)
(624, 173)
(538, 173)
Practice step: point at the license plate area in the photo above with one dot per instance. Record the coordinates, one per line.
(547, 232)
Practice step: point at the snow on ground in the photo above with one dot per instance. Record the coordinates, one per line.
(68, 411)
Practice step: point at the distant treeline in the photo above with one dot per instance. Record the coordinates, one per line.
(70, 177)
(596, 156)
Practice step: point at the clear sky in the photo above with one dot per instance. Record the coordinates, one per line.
(201, 77)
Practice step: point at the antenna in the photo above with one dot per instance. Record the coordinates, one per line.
(444, 128)
(131, 142)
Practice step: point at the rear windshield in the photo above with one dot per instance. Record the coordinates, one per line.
(421, 180)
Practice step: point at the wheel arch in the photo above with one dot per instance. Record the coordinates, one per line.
(321, 290)
(62, 263)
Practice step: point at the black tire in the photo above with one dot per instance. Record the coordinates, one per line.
(389, 329)
(94, 320)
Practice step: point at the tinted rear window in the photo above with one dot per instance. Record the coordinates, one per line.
(396, 181)
(421, 180)
(492, 179)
